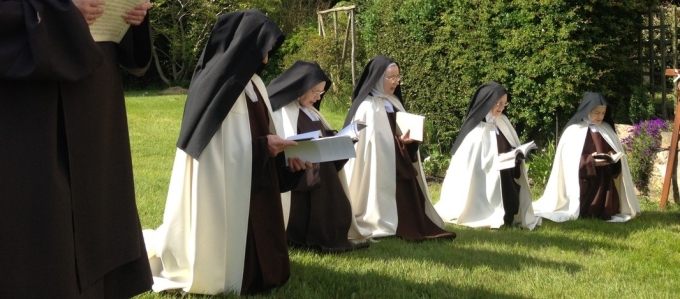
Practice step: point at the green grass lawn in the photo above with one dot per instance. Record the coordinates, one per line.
(577, 259)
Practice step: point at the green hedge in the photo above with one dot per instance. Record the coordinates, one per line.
(546, 53)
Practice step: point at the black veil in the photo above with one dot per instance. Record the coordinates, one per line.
(296, 81)
(233, 54)
(372, 74)
(484, 98)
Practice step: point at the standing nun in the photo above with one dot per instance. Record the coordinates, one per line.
(387, 185)
(223, 225)
(475, 192)
(320, 212)
(578, 185)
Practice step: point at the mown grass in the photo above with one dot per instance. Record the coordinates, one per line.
(577, 259)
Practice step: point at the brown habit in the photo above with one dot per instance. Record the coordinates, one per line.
(266, 260)
(599, 197)
(414, 225)
(68, 219)
(509, 187)
(320, 212)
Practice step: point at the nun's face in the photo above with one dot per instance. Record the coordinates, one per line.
(311, 96)
(597, 114)
(498, 108)
(391, 79)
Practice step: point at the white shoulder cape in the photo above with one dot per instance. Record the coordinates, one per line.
(561, 199)
(289, 116)
(372, 174)
(200, 247)
(471, 192)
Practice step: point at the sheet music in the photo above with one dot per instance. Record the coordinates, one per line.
(111, 26)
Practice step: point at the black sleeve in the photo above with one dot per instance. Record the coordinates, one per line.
(46, 40)
(134, 50)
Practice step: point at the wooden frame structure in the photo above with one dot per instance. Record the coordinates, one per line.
(673, 151)
(349, 31)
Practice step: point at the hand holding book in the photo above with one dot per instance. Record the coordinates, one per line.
(607, 158)
(508, 160)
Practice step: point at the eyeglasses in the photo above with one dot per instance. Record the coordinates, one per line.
(501, 104)
(318, 92)
(394, 78)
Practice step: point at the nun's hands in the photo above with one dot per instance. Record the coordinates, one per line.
(295, 164)
(277, 144)
(406, 139)
(91, 9)
(136, 15)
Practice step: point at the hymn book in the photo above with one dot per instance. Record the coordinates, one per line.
(507, 160)
(413, 122)
(316, 149)
(111, 26)
(609, 158)
(352, 130)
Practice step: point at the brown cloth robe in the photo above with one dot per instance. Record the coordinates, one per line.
(599, 197)
(320, 212)
(69, 226)
(509, 187)
(267, 264)
(414, 225)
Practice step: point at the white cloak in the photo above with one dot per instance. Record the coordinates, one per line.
(561, 199)
(471, 192)
(372, 174)
(200, 247)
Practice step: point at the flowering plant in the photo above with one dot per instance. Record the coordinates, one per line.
(641, 146)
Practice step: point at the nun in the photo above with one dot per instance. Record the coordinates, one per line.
(320, 212)
(387, 185)
(580, 185)
(223, 228)
(476, 191)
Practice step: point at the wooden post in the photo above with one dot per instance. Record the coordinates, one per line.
(672, 154)
(349, 31)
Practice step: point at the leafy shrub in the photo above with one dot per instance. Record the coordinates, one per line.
(641, 146)
(546, 53)
(640, 107)
(540, 165)
(435, 163)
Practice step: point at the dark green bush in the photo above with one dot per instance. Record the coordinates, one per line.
(546, 53)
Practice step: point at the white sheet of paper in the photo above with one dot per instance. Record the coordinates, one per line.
(352, 130)
(111, 26)
(322, 149)
(305, 136)
(413, 122)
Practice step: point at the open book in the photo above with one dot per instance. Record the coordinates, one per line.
(111, 27)
(609, 158)
(305, 136)
(507, 160)
(413, 122)
(352, 130)
(314, 148)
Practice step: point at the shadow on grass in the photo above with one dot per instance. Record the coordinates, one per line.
(312, 281)
(647, 220)
(453, 255)
(322, 282)
(541, 238)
